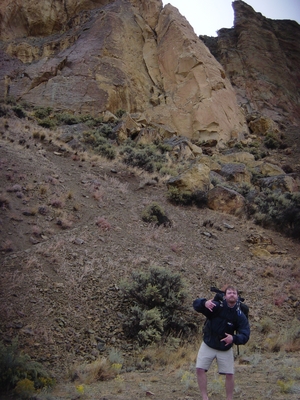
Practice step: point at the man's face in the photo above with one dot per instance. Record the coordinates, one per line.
(231, 296)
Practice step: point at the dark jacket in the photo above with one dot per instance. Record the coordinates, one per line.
(221, 320)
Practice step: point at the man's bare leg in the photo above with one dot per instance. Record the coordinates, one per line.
(229, 385)
(202, 382)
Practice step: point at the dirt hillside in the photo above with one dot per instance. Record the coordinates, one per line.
(71, 230)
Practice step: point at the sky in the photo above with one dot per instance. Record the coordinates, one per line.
(208, 16)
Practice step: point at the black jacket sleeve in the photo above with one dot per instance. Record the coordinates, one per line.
(243, 330)
(199, 306)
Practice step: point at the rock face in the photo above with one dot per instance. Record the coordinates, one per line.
(96, 56)
(21, 19)
(261, 57)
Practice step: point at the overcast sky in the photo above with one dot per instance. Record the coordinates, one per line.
(208, 16)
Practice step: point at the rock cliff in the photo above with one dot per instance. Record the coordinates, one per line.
(89, 57)
(92, 56)
(261, 57)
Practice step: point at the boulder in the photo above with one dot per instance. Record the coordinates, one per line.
(107, 116)
(182, 148)
(236, 172)
(211, 162)
(263, 125)
(225, 200)
(194, 179)
(282, 183)
(238, 157)
(265, 168)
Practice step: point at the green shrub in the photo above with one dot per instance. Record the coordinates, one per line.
(18, 110)
(100, 143)
(239, 146)
(271, 141)
(156, 309)
(43, 112)
(4, 110)
(106, 150)
(99, 135)
(153, 213)
(16, 366)
(10, 100)
(120, 113)
(187, 197)
(279, 210)
(148, 158)
(106, 130)
(89, 138)
(244, 188)
(67, 119)
(165, 170)
(48, 123)
(164, 147)
(91, 121)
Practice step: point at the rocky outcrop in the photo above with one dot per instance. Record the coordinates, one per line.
(25, 19)
(94, 56)
(261, 57)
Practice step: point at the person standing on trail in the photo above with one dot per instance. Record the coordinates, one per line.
(225, 325)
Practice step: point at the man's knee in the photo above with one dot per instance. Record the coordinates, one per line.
(200, 371)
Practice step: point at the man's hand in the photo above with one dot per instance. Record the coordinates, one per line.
(209, 304)
(228, 339)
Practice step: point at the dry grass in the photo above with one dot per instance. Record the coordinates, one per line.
(99, 370)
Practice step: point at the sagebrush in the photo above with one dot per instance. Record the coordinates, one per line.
(156, 306)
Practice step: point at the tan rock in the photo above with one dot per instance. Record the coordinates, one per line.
(127, 128)
(283, 183)
(263, 125)
(239, 157)
(109, 117)
(265, 168)
(20, 19)
(236, 172)
(112, 55)
(195, 178)
(260, 252)
(256, 55)
(148, 136)
(196, 150)
(193, 78)
(210, 162)
(225, 200)
(183, 149)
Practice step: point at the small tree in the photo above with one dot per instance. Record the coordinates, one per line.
(156, 299)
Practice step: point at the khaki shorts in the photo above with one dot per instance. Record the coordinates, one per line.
(225, 359)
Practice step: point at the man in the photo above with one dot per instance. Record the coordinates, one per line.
(225, 325)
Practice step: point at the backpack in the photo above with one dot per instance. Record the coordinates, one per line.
(219, 296)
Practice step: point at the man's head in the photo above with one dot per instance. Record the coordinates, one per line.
(231, 295)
